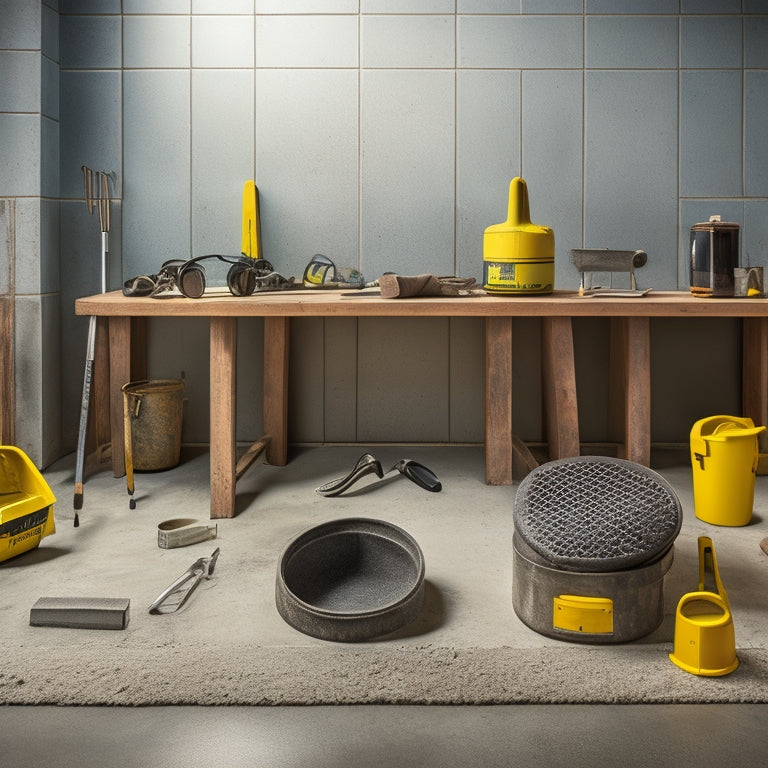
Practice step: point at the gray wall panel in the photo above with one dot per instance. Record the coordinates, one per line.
(222, 157)
(407, 155)
(157, 194)
(403, 380)
(306, 141)
(630, 167)
(711, 133)
(553, 105)
(487, 158)
(340, 347)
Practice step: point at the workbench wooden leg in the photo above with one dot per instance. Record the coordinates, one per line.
(559, 384)
(631, 375)
(223, 376)
(754, 376)
(276, 353)
(498, 401)
(119, 374)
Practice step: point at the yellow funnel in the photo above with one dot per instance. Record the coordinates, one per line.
(705, 642)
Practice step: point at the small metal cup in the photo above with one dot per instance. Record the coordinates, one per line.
(748, 282)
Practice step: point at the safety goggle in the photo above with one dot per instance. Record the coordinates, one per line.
(244, 277)
(321, 272)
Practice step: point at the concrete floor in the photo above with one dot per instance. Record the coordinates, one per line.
(540, 735)
(699, 736)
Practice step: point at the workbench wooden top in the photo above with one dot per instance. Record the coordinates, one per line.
(368, 303)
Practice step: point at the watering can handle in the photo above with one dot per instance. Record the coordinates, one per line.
(708, 565)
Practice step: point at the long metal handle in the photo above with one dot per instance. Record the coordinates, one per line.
(102, 200)
(104, 216)
(84, 406)
(104, 260)
(708, 570)
(104, 195)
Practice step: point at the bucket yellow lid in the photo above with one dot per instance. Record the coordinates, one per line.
(719, 429)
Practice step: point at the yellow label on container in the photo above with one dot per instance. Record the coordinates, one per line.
(24, 533)
(576, 613)
(516, 277)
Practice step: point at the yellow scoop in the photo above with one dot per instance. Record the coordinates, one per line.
(705, 641)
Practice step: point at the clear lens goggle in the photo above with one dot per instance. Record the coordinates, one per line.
(321, 272)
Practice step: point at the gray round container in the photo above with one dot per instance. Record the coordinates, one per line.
(593, 541)
(573, 606)
(350, 580)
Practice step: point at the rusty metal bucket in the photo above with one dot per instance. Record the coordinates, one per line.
(153, 416)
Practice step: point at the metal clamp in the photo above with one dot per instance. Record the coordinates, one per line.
(182, 531)
(177, 594)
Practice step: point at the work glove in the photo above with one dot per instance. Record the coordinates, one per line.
(403, 287)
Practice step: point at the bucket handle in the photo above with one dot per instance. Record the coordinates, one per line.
(134, 410)
(725, 437)
(700, 443)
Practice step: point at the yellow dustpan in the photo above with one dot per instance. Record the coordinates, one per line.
(705, 643)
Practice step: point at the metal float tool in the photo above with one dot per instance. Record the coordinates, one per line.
(591, 262)
(81, 612)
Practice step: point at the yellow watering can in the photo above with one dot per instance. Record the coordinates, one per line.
(705, 642)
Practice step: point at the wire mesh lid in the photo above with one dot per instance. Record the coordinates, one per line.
(596, 514)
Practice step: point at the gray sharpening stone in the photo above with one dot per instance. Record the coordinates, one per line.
(81, 612)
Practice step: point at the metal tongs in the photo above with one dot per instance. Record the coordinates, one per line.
(174, 597)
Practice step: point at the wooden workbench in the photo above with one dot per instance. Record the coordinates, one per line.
(630, 367)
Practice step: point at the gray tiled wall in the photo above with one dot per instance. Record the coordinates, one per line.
(384, 133)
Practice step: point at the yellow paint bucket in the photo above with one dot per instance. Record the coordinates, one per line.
(724, 455)
(518, 256)
(705, 641)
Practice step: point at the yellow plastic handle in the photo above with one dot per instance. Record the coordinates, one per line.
(518, 212)
(708, 564)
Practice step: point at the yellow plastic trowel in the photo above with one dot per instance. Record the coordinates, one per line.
(251, 234)
(705, 642)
